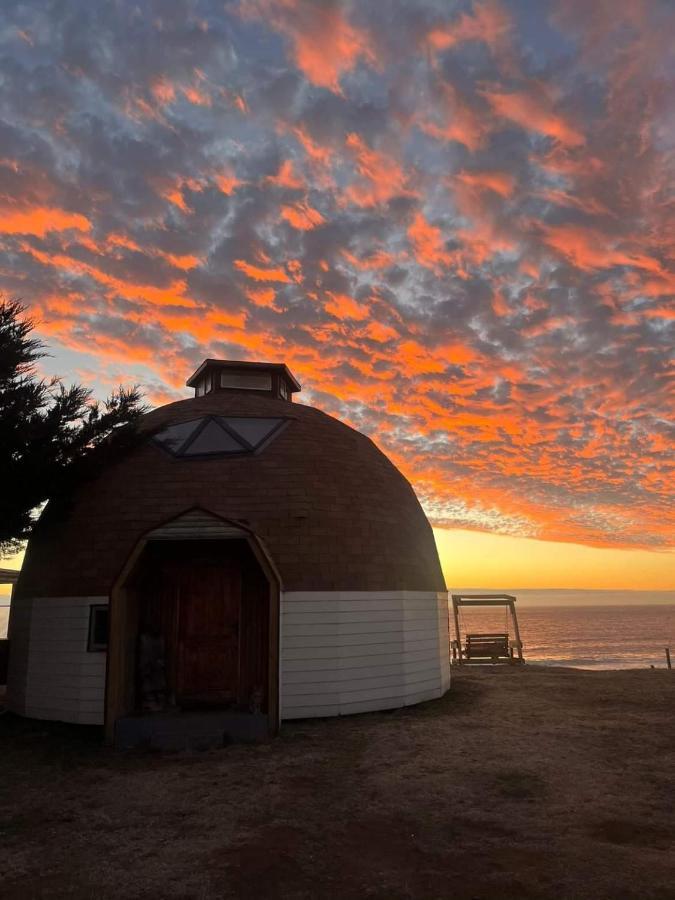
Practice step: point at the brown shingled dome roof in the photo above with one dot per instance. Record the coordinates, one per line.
(331, 510)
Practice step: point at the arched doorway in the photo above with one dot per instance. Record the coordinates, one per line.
(194, 632)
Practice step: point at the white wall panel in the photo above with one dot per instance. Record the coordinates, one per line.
(347, 652)
(52, 674)
(341, 653)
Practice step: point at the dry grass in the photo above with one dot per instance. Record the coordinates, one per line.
(533, 783)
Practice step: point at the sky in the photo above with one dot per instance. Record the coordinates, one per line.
(452, 221)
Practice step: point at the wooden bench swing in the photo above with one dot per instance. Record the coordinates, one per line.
(486, 647)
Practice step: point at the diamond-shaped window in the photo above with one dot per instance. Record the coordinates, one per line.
(219, 436)
(175, 436)
(253, 431)
(213, 439)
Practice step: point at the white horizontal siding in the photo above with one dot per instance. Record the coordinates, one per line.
(293, 661)
(340, 653)
(53, 674)
(299, 676)
(347, 652)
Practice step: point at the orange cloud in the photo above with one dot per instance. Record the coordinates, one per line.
(194, 95)
(294, 266)
(40, 220)
(427, 242)
(383, 175)
(114, 240)
(163, 91)
(659, 313)
(227, 181)
(325, 45)
(330, 48)
(589, 248)
(474, 195)
(316, 152)
(258, 274)
(533, 110)
(502, 183)
(343, 307)
(378, 259)
(120, 240)
(488, 22)
(262, 296)
(418, 359)
(302, 216)
(174, 192)
(174, 294)
(455, 120)
(286, 177)
(377, 331)
(499, 305)
(186, 261)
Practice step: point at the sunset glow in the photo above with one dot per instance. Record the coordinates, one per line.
(500, 562)
(449, 219)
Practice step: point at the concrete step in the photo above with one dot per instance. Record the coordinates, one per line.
(177, 731)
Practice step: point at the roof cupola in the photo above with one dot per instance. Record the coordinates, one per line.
(273, 379)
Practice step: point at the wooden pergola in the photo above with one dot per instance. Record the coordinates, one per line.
(486, 647)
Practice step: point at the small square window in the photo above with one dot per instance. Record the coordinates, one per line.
(98, 628)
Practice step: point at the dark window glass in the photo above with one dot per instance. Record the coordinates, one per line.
(254, 381)
(98, 628)
(214, 436)
(213, 439)
(252, 430)
(175, 436)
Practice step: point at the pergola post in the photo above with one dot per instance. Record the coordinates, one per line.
(455, 612)
(519, 643)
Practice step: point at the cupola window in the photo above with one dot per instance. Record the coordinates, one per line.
(254, 381)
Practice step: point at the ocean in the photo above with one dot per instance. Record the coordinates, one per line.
(575, 628)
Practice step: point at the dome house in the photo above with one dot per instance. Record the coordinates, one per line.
(249, 560)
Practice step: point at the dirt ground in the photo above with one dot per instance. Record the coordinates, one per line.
(520, 783)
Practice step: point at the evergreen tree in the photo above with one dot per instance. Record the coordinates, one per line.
(50, 434)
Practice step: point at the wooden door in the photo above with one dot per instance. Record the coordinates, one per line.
(209, 600)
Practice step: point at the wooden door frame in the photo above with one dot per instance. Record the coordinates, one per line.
(117, 686)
